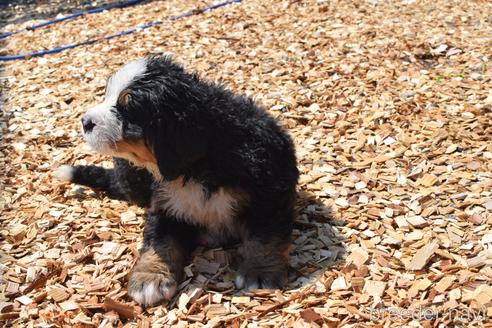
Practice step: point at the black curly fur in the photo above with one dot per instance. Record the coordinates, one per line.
(206, 133)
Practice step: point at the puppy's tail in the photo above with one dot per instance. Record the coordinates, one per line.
(134, 186)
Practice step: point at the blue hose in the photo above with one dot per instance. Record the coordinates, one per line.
(74, 15)
(129, 31)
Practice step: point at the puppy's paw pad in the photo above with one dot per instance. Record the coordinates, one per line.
(148, 288)
(64, 172)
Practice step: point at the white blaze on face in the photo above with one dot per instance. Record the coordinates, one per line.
(122, 79)
(108, 129)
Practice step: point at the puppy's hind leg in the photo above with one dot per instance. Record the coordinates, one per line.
(265, 251)
(264, 265)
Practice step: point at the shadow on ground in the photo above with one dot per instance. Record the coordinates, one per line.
(318, 244)
(317, 247)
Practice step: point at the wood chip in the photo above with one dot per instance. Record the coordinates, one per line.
(124, 310)
(24, 300)
(69, 306)
(401, 222)
(417, 286)
(58, 294)
(240, 300)
(183, 301)
(445, 283)
(422, 256)
(309, 315)
(374, 288)
(427, 180)
(339, 284)
(358, 256)
(417, 221)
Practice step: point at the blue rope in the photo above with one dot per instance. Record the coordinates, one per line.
(108, 37)
(73, 16)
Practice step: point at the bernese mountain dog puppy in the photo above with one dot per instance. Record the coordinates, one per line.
(209, 165)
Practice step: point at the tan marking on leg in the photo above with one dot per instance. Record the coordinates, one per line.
(149, 261)
(155, 279)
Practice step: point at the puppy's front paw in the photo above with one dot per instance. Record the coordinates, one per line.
(269, 277)
(151, 288)
(64, 173)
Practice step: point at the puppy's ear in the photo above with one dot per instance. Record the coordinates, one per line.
(179, 147)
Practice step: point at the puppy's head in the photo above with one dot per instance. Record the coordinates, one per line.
(152, 116)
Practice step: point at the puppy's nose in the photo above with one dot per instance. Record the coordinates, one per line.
(87, 123)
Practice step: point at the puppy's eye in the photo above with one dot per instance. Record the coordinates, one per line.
(124, 97)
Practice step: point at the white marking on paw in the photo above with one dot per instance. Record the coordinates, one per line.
(152, 293)
(239, 282)
(253, 285)
(64, 172)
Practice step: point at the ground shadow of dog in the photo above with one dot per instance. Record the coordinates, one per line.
(317, 245)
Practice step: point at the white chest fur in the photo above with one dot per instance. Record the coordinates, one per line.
(190, 202)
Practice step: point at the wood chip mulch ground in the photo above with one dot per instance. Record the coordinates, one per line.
(390, 106)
